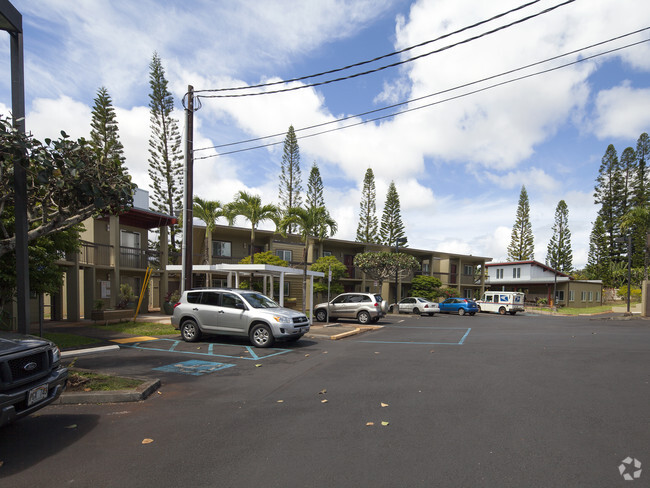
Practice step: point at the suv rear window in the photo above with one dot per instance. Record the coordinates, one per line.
(378, 298)
(194, 297)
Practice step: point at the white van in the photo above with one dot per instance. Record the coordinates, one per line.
(502, 302)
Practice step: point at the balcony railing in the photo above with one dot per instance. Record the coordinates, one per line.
(95, 254)
(133, 257)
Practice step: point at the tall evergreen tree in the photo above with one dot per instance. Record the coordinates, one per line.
(558, 254)
(641, 189)
(628, 176)
(104, 134)
(315, 188)
(290, 175)
(165, 155)
(367, 230)
(609, 188)
(522, 243)
(598, 259)
(392, 227)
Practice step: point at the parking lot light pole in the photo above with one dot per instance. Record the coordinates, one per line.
(398, 241)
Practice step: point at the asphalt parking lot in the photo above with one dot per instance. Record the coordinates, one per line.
(425, 401)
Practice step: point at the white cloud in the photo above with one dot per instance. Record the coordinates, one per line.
(622, 112)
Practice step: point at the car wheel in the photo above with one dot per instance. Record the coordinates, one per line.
(261, 336)
(416, 311)
(190, 331)
(321, 315)
(363, 317)
(461, 311)
(502, 311)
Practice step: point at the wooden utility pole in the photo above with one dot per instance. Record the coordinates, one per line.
(188, 215)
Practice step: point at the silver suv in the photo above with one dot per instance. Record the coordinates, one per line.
(238, 313)
(365, 307)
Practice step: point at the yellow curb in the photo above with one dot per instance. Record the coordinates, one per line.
(135, 339)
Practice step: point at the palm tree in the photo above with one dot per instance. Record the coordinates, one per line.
(250, 207)
(311, 222)
(208, 211)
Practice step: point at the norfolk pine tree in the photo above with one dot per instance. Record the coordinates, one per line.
(368, 222)
(609, 188)
(558, 254)
(392, 227)
(315, 188)
(290, 176)
(522, 246)
(165, 155)
(104, 137)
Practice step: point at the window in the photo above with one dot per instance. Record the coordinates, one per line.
(559, 296)
(583, 296)
(129, 239)
(500, 274)
(488, 298)
(194, 297)
(469, 270)
(516, 272)
(210, 298)
(425, 267)
(591, 296)
(221, 249)
(327, 253)
(598, 296)
(219, 283)
(284, 254)
(229, 300)
(572, 295)
(467, 293)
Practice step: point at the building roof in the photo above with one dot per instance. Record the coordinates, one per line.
(533, 262)
(145, 219)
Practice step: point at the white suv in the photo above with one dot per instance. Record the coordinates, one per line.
(238, 313)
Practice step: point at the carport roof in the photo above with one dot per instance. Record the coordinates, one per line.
(267, 269)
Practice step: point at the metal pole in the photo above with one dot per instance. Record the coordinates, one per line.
(20, 173)
(396, 273)
(629, 269)
(189, 190)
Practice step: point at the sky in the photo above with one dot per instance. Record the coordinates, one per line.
(458, 164)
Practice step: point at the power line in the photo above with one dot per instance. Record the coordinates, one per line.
(504, 73)
(392, 65)
(361, 63)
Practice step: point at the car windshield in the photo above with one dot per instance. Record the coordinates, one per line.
(257, 300)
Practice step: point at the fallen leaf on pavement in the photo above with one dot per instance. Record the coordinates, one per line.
(258, 365)
(369, 424)
(280, 401)
(384, 423)
(306, 355)
(71, 426)
(323, 401)
(147, 441)
(159, 392)
(322, 392)
(384, 404)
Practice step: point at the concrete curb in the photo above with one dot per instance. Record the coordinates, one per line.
(89, 350)
(342, 335)
(84, 397)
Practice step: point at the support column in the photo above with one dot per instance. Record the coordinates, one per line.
(90, 287)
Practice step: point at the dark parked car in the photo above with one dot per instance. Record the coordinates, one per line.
(31, 375)
(461, 306)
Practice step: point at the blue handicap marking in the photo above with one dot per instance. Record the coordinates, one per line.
(194, 367)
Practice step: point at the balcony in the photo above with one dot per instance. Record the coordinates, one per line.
(95, 254)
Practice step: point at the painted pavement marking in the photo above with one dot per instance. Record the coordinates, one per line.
(127, 340)
(171, 345)
(459, 343)
(194, 367)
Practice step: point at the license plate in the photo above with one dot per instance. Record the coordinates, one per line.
(37, 395)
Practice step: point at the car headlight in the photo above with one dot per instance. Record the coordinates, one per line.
(282, 319)
(56, 354)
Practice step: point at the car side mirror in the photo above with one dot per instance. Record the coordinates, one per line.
(240, 306)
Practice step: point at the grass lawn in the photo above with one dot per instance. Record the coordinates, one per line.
(140, 328)
(587, 310)
(65, 341)
(89, 381)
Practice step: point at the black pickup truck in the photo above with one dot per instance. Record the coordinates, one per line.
(31, 375)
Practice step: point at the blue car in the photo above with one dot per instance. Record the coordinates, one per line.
(461, 306)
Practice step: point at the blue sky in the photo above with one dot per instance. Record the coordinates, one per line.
(458, 166)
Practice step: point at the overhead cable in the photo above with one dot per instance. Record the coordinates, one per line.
(392, 65)
(506, 82)
(388, 107)
(361, 63)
